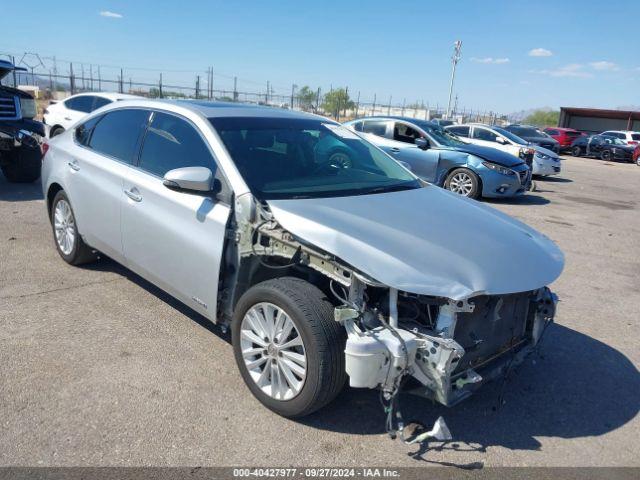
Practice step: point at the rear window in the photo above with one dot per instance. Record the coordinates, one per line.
(635, 136)
(82, 103)
(118, 132)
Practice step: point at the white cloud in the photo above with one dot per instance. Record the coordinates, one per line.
(604, 66)
(540, 52)
(108, 14)
(571, 70)
(494, 61)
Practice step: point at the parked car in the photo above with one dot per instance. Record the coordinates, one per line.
(442, 159)
(322, 269)
(627, 136)
(545, 162)
(59, 116)
(604, 147)
(564, 136)
(534, 136)
(20, 134)
(542, 162)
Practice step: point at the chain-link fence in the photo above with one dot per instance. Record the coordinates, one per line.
(49, 78)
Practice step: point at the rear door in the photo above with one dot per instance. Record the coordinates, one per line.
(105, 147)
(175, 239)
(75, 110)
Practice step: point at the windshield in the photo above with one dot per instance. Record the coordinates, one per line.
(284, 158)
(510, 136)
(442, 137)
(527, 132)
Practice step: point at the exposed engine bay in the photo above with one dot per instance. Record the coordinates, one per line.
(439, 348)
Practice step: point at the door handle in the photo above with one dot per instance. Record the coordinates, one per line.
(395, 150)
(68, 118)
(133, 194)
(74, 165)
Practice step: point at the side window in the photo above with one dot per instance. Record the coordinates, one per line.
(484, 134)
(118, 133)
(551, 131)
(83, 103)
(404, 133)
(375, 127)
(357, 126)
(100, 102)
(172, 142)
(83, 132)
(459, 131)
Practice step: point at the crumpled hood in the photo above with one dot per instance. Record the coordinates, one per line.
(487, 153)
(426, 241)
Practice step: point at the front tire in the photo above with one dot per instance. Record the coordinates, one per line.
(463, 182)
(605, 155)
(576, 151)
(288, 347)
(68, 241)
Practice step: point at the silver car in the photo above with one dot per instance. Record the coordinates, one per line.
(327, 259)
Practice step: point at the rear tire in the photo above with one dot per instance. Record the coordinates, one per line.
(463, 182)
(576, 151)
(68, 241)
(605, 155)
(24, 165)
(55, 131)
(322, 345)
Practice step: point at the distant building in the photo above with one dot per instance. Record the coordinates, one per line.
(595, 120)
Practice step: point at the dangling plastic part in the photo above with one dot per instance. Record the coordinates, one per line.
(439, 432)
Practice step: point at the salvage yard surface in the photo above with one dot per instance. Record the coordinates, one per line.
(98, 367)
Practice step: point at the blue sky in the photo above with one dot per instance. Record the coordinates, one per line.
(587, 52)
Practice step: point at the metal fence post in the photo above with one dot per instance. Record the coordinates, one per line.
(318, 99)
(160, 86)
(358, 104)
(389, 106)
(121, 80)
(72, 82)
(373, 108)
(235, 89)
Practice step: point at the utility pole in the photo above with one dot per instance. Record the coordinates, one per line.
(457, 47)
(160, 86)
(99, 80)
(293, 90)
(389, 106)
(358, 104)
(373, 109)
(266, 97)
(235, 89)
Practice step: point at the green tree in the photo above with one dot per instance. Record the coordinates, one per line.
(307, 98)
(337, 101)
(542, 118)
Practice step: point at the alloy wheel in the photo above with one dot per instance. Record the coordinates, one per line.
(461, 183)
(273, 351)
(64, 226)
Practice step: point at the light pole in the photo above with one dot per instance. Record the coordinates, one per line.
(454, 61)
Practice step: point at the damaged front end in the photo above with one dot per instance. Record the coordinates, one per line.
(449, 348)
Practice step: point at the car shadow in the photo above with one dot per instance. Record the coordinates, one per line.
(573, 386)
(551, 179)
(19, 192)
(526, 199)
(576, 386)
(106, 264)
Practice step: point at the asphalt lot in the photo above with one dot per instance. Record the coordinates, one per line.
(98, 367)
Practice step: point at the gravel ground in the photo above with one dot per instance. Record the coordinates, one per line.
(98, 367)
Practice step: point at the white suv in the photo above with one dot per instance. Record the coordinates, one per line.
(627, 136)
(60, 116)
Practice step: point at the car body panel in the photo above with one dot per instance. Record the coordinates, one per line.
(546, 162)
(421, 250)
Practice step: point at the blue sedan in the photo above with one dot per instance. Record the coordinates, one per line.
(443, 159)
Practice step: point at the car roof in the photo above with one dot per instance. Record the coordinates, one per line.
(213, 109)
(109, 95)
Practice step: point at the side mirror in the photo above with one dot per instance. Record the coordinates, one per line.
(501, 140)
(191, 179)
(421, 143)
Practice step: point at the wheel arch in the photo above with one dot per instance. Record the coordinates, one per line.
(53, 190)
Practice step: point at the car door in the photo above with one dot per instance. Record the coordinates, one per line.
(104, 149)
(76, 109)
(175, 238)
(423, 162)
